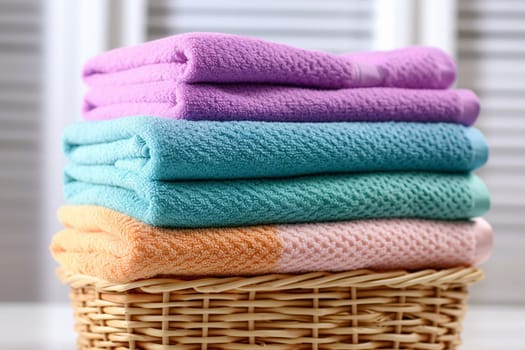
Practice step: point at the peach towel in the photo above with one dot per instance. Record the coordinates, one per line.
(101, 242)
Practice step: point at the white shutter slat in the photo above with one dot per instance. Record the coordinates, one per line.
(28, 136)
(483, 7)
(294, 6)
(328, 25)
(16, 214)
(513, 121)
(491, 25)
(501, 103)
(18, 242)
(18, 178)
(22, 68)
(13, 125)
(510, 47)
(505, 220)
(21, 116)
(497, 83)
(21, 22)
(26, 5)
(509, 141)
(495, 65)
(504, 165)
(20, 106)
(333, 25)
(504, 198)
(20, 157)
(18, 94)
(18, 194)
(19, 39)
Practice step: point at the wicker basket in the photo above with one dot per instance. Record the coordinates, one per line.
(350, 310)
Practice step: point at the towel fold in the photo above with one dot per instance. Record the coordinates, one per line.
(225, 58)
(210, 76)
(278, 103)
(161, 149)
(103, 243)
(280, 200)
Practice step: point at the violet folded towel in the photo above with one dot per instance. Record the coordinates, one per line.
(104, 243)
(162, 149)
(278, 103)
(226, 58)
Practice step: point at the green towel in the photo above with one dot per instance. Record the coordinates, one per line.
(279, 200)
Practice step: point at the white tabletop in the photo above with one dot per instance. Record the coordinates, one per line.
(50, 327)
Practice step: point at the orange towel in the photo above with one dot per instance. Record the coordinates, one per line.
(101, 242)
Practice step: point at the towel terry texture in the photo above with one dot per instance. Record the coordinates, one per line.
(161, 149)
(277, 103)
(279, 200)
(210, 76)
(225, 58)
(103, 243)
(366, 162)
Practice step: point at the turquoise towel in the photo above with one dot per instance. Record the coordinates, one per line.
(281, 200)
(162, 149)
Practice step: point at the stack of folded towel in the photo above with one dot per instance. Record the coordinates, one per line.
(213, 154)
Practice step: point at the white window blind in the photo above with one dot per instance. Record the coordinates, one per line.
(329, 25)
(20, 122)
(491, 57)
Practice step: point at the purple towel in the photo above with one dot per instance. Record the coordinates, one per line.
(278, 103)
(208, 76)
(224, 58)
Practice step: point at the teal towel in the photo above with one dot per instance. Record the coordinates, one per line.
(280, 200)
(163, 149)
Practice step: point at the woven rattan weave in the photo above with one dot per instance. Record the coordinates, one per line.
(349, 310)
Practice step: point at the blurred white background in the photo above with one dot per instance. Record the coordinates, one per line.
(44, 43)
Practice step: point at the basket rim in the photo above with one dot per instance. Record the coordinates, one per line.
(398, 279)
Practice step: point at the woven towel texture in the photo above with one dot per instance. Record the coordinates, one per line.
(100, 242)
(225, 58)
(161, 149)
(411, 67)
(281, 200)
(278, 103)
(208, 154)
(242, 78)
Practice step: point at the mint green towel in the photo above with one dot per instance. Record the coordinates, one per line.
(279, 200)
(163, 149)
